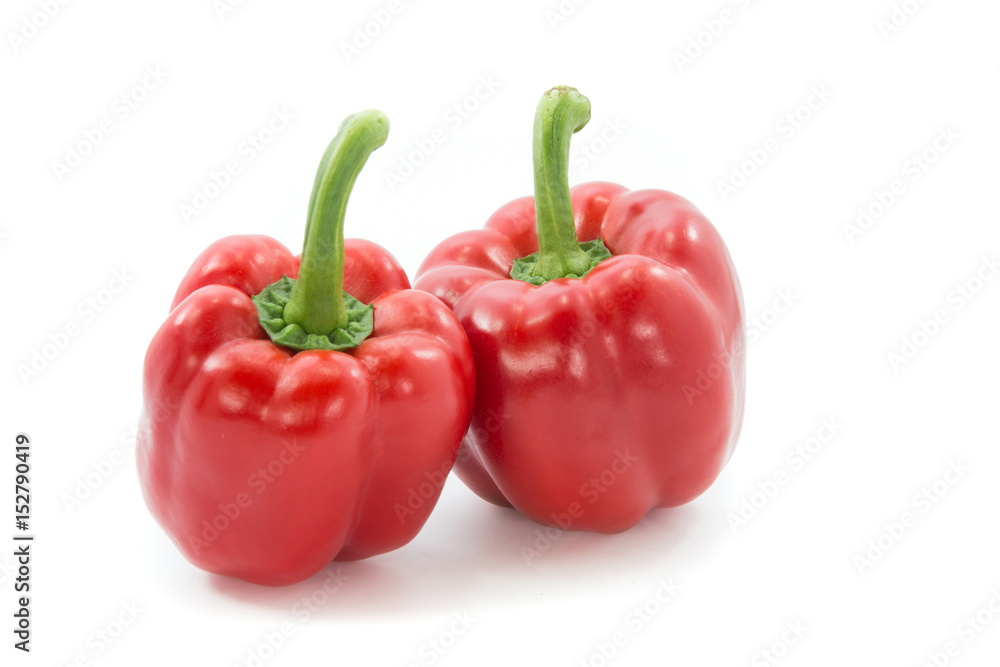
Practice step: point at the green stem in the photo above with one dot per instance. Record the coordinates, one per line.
(561, 112)
(317, 301)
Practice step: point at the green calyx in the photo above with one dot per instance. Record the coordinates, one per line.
(525, 267)
(273, 301)
(313, 312)
(561, 112)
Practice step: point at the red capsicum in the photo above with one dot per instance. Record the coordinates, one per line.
(292, 411)
(607, 331)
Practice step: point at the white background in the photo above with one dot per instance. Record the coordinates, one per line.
(802, 556)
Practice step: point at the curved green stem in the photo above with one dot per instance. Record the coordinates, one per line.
(561, 112)
(317, 300)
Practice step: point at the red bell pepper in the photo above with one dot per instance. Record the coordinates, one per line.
(610, 373)
(287, 423)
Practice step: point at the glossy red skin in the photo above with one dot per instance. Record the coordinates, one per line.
(354, 439)
(578, 377)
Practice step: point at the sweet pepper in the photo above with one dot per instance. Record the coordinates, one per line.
(607, 331)
(292, 410)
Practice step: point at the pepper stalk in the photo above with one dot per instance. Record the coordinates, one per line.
(561, 113)
(313, 311)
